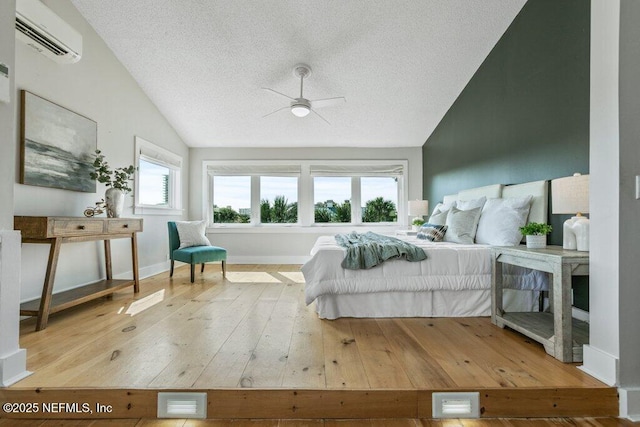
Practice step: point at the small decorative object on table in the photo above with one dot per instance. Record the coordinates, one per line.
(117, 180)
(536, 234)
(95, 210)
(417, 223)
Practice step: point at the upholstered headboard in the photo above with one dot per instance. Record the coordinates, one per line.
(538, 189)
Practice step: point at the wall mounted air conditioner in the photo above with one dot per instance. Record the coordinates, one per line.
(46, 32)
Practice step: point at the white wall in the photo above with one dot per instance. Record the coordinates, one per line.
(613, 353)
(601, 355)
(13, 359)
(100, 88)
(629, 289)
(285, 246)
(7, 116)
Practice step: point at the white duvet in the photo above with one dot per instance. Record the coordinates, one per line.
(449, 266)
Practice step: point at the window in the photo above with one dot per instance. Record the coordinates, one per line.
(255, 193)
(331, 199)
(232, 199)
(154, 183)
(278, 199)
(157, 180)
(379, 197)
(306, 193)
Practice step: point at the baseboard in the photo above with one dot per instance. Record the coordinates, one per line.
(13, 367)
(600, 365)
(261, 259)
(630, 403)
(148, 271)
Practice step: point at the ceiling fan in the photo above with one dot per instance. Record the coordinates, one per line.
(302, 106)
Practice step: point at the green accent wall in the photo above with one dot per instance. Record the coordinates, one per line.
(524, 115)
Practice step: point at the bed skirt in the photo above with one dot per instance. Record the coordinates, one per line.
(437, 303)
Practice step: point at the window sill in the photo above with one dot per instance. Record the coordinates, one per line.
(156, 210)
(300, 229)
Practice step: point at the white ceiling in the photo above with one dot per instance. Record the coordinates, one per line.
(399, 64)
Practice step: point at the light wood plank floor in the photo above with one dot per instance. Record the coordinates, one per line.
(253, 330)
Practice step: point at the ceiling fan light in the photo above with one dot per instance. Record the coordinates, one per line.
(299, 110)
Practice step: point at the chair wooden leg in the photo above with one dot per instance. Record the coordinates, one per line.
(202, 268)
(193, 272)
(224, 269)
(171, 273)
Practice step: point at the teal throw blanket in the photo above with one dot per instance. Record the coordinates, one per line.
(370, 249)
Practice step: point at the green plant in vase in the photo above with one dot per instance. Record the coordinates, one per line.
(118, 180)
(417, 223)
(536, 234)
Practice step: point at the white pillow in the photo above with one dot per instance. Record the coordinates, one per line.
(465, 205)
(461, 225)
(439, 214)
(191, 233)
(501, 220)
(438, 218)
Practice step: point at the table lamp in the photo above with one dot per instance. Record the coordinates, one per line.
(418, 208)
(570, 195)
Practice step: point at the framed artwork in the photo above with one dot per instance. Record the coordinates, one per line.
(57, 146)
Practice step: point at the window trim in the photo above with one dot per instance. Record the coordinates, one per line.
(155, 154)
(306, 220)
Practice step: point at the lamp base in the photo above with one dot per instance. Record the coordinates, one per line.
(575, 234)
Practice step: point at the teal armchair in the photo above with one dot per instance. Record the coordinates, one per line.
(195, 254)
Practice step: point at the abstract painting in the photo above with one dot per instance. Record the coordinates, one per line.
(57, 146)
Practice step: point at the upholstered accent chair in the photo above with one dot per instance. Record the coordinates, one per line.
(194, 254)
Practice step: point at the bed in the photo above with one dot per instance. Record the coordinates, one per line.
(454, 280)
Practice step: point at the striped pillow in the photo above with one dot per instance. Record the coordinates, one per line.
(432, 232)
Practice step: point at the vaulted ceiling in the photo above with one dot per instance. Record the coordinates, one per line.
(399, 64)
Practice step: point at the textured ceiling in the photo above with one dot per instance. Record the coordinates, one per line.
(399, 64)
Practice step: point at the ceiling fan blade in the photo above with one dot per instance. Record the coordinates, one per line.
(273, 112)
(316, 113)
(327, 102)
(278, 93)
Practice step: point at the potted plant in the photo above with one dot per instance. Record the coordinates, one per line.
(417, 223)
(536, 234)
(117, 180)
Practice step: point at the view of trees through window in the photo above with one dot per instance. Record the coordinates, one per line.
(278, 199)
(232, 199)
(378, 208)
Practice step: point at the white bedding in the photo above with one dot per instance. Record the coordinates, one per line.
(448, 267)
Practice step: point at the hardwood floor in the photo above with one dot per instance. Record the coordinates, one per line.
(252, 335)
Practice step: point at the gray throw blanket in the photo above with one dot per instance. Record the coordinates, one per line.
(370, 249)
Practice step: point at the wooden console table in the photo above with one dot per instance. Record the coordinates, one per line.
(58, 230)
(561, 335)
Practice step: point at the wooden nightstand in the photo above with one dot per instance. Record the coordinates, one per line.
(561, 335)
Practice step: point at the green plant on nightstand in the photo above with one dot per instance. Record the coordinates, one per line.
(536, 234)
(417, 223)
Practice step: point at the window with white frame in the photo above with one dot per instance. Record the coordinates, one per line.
(357, 193)
(254, 193)
(157, 180)
(271, 193)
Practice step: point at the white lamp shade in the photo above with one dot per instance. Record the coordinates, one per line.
(418, 207)
(570, 195)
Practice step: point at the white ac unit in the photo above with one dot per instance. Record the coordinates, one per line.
(40, 28)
